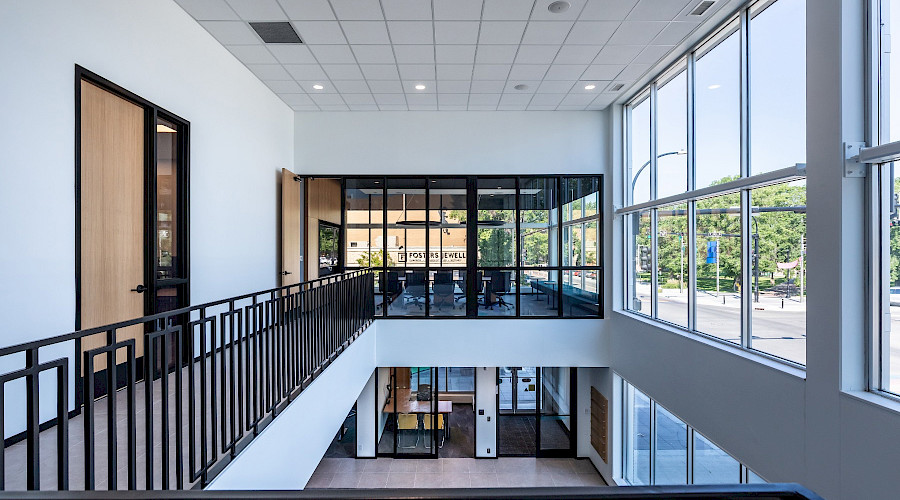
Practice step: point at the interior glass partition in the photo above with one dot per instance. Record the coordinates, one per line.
(447, 246)
(412, 408)
(405, 281)
(556, 411)
(497, 246)
(364, 229)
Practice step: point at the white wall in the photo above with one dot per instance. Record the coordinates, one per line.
(486, 399)
(286, 453)
(241, 135)
(449, 142)
(366, 422)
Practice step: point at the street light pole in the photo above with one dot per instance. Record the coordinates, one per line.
(638, 173)
(756, 256)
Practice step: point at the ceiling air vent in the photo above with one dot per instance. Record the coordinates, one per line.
(281, 32)
(617, 87)
(701, 8)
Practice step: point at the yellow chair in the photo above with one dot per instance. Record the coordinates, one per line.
(407, 422)
(440, 427)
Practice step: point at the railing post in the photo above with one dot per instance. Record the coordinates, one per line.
(33, 465)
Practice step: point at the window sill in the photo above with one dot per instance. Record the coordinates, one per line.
(880, 400)
(741, 352)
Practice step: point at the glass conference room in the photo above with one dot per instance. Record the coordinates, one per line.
(477, 246)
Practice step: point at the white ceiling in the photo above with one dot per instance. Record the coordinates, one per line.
(469, 54)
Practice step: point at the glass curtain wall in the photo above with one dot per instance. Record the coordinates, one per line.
(729, 261)
(478, 246)
(661, 449)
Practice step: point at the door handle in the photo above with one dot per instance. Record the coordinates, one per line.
(140, 289)
(285, 273)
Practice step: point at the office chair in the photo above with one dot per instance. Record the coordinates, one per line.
(440, 428)
(392, 285)
(415, 287)
(443, 288)
(407, 422)
(498, 286)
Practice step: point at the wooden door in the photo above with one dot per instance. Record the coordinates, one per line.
(291, 228)
(112, 216)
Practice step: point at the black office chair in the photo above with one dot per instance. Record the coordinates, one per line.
(415, 287)
(392, 285)
(498, 286)
(443, 289)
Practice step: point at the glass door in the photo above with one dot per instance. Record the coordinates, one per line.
(417, 422)
(517, 425)
(557, 404)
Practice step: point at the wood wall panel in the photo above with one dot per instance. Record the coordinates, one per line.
(599, 424)
(323, 202)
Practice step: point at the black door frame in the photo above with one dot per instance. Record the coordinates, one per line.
(571, 452)
(151, 113)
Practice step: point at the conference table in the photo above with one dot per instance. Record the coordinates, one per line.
(407, 403)
(575, 296)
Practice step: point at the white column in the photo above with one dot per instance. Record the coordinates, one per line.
(365, 420)
(486, 412)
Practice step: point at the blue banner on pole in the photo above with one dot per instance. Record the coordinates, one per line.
(712, 252)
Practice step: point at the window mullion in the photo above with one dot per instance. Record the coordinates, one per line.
(746, 211)
(691, 185)
(652, 457)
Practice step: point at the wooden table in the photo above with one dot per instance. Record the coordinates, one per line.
(404, 405)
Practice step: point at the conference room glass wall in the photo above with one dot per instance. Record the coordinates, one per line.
(478, 246)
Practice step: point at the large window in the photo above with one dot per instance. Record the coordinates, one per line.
(482, 246)
(660, 448)
(716, 224)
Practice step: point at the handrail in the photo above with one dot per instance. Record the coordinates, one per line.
(235, 364)
(786, 491)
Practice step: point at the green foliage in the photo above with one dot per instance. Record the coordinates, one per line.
(895, 245)
(374, 259)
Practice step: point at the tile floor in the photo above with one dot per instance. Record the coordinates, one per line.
(454, 473)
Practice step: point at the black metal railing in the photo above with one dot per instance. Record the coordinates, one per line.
(200, 381)
(788, 491)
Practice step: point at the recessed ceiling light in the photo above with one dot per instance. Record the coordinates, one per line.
(521, 86)
(590, 87)
(318, 87)
(714, 86)
(558, 7)
(420, 87)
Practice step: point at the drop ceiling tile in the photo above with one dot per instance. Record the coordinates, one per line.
(577, 54)
(546, 32)
(506, 9)
(231, 32)
(607, 10)
(327, 87)
(258, 10)
(453, 86)
(414, 54)
(366, 32)
(409, 87)
(618, 54)
(455, 54)
(456, 32)
(308, 10)
(380, 71)
(292, 54)
(656, 10)
(430, 107)
(578, 99)
(542, 13)
(305, 108)
(364, 107)
(570, 108)
(528, 71)
(547, 99)
(488, 87)
(333, 54)
(386, 87)
(320, 32)
(453, 99)
(342, 71)
(533, 107)
(374, 54)
(305, 71)
(393, 107)
(515, 99)
(208, 10)
(512, 107)
(411, 32)
(501, 32)
(252, 54)
(481, 108)
(484, 99)
(358, 99)
(559, 87)
(327, 99)
(447, 107)
(537, 54)
(636, 32)
(350, 86)
(421, 100)
(406, 10)
(603, 71)
(357, 10)
(602, 101)
(454, 72)
(633, 71)
(652, 53)
(565, 71)
(269, 71)
(297, 99)
(416, 71)
(496, 54)
(283, 86)
(674, 33)
(335, 107)
(592, 32)
(531, 86)
(599, 85)
(457, 10)
(491, 72)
